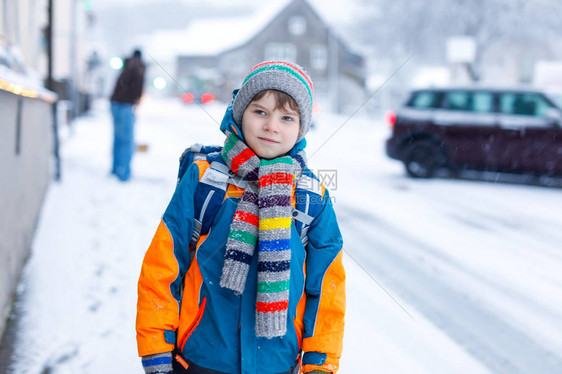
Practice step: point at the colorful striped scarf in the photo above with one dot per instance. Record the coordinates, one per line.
(263, 217)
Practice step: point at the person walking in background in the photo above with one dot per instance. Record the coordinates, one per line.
(126, 96)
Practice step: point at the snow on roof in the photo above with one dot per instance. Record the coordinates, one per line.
(15, 77)
(336, 12)
(211, 36)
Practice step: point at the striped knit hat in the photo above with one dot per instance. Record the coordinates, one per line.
(281, 76)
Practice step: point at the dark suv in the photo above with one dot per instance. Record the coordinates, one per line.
(506, 130)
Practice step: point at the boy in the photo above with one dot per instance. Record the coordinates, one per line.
(252, 296)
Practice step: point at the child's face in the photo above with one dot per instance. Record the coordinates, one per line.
(268, 131)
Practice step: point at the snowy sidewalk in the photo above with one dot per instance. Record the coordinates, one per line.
(77, 297)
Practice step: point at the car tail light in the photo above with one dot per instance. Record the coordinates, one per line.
(207, 98)
(188, 98)
(390, 118)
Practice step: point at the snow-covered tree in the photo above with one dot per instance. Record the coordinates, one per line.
(400, 28)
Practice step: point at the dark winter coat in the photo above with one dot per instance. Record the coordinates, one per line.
(128, 88)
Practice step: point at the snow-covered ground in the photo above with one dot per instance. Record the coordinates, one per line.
(444, 276)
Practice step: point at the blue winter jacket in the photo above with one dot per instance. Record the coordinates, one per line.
(182, 305)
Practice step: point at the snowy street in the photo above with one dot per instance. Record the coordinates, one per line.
(443, 275)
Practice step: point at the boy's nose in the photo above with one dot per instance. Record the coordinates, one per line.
(271, 125)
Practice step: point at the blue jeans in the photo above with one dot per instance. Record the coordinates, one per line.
(123, 139)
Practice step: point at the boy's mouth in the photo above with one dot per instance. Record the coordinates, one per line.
(268, 140)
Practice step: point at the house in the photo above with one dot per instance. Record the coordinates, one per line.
(513, 60)
(219, 52)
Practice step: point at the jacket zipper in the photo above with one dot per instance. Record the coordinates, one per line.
(194, 324)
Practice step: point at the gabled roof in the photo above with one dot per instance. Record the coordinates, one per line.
(211, 36)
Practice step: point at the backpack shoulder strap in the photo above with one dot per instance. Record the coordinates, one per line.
(308, 196)
(210, 190)
(212, 186)
(195, 153)
(209, 196)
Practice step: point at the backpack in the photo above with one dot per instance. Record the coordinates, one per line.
(212, 186)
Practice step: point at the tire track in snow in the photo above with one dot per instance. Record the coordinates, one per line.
(493, 214)
(397, 260)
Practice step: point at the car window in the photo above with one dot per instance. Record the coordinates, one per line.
(458, 100)
(557, 98)
(483, 102)
(425, 100)
(480, 102)
(542, 106)
(524, 104)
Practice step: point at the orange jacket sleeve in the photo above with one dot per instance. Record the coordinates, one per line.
(164, 265)
(325, 293)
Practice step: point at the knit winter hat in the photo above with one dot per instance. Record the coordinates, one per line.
(282, 76)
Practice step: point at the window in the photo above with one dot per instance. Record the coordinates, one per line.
(524, 104)
(297, 25)
(468, 101)
(458, 100)
(425, 100)
(2, 32)
(280, 51)
(557, 99)
(483, 102)
(319, 57)
(9, 22)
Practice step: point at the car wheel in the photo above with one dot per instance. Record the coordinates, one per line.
(422, 159)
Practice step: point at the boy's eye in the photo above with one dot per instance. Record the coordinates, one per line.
(288, 118)
(259, 112)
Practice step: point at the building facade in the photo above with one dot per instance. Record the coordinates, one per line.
(26, 137)
(297, 34)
